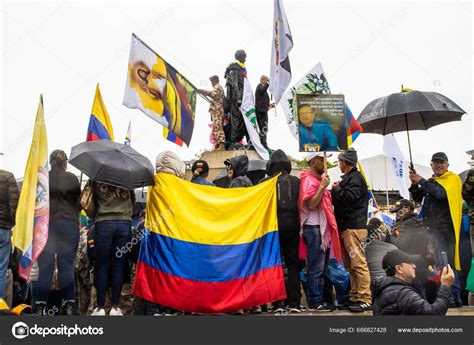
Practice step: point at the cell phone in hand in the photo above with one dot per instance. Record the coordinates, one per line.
(444, 259)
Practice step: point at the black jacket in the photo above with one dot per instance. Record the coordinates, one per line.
(396, 297)
(234, 82)
(240, 165)
(64, 192)
(262, 100)
(8, 199)
(435, 206)
(413, 238)
(351, 201)
(288, 191)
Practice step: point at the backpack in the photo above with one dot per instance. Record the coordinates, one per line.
(288, 191)
(88, 202)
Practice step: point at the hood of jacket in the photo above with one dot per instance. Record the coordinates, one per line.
(240, 165)
(278, 163)
(168, 162)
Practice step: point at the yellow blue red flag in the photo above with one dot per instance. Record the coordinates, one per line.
(160, 92)
(32, 216)
(100, 126)
(210, 250)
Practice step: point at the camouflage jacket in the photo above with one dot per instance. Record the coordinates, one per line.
(468, 193)
(217, 99)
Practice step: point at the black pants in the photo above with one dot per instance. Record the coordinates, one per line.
(262, 120)
(238, 130)
(289, 244)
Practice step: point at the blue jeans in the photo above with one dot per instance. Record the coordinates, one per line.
(5, 250)
(315, 264)
(63, 239)
(444, 241)
(110, 236)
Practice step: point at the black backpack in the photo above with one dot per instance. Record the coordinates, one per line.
(288, 191)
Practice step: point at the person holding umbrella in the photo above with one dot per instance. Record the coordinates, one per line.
(442, 208)
(112, 232)
(115, 170)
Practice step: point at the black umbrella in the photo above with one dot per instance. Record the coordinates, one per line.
(112, 163)
(406, 111)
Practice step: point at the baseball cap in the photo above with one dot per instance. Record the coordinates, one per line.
(401, 204)
(439, 156)
(312, 155)
(200, 166)
(396, 257)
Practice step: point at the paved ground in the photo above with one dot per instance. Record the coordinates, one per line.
(465, 311)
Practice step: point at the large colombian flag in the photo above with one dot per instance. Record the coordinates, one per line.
(100, 126)
(210, 250)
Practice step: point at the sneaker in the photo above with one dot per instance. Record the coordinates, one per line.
(360, 307)
(322, 307)
(279, 310)
(116, 311)
(256, 310)
(293, 309)
(98, 312)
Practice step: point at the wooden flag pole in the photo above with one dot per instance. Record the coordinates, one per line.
(325, 164)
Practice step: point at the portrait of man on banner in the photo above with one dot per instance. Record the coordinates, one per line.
(159, 91)
(321, 122)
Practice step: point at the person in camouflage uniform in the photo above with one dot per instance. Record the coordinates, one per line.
(216, 109)
(468, 196)
(83, 275)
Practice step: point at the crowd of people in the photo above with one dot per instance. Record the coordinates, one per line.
(332, 254)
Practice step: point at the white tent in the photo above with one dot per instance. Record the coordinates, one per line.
(379, 174)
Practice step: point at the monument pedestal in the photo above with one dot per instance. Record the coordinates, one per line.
(216, 159)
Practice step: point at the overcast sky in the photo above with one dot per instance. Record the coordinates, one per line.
(367, 51)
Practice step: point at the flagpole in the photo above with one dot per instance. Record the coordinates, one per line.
(325, 164)
(386, 182)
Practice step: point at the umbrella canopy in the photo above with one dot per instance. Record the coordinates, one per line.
(112, 163)
(414, 110)
(406, 111)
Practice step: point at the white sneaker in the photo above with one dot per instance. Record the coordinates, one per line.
(115, 311)
(98, 312)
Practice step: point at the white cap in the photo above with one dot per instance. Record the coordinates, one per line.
(312, 155)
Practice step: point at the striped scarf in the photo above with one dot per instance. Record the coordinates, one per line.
(242, 66)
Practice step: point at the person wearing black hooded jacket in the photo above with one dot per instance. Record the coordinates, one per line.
(237, 168)
(288, 190)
